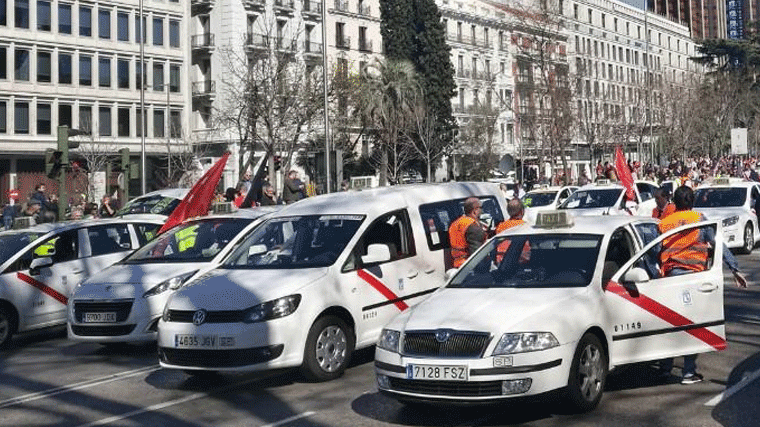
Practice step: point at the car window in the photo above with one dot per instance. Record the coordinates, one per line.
(393, 230)
(650, 261)
(63, 247)
(108, 239)
(619, 250)
(533, 200)
(436, 218)
(11, 243)
(719, 197)
(146, 232)
(599, 198)
(648, 231)
(152, 204)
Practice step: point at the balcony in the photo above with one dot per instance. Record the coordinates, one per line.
(341, 6)
(312, 10)
(284, 45)
(204, 89)
(312, 52)
(200, 6)
(285, 7)
(365, 45)
(364, 10)
(256, 41)
(343, 42)
(255, 5)
(468, 40)
(202, 42)
(463, 74)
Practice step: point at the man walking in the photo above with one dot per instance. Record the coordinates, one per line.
(466, 234)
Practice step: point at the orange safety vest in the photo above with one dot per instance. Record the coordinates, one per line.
(683, 250)
(667, 210)
(502, 248)
(457, 239)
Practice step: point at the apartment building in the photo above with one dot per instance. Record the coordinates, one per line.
(76, 63)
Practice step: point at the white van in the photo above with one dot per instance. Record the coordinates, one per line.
(318, 279)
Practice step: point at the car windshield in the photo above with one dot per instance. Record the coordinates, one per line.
(197, 241)
(719, 197)
(533, 200)
(584, 199)
(13, 242)
(295, 242)
(153, 204)
(531, 261)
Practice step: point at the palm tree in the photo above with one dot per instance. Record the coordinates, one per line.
(389, 88)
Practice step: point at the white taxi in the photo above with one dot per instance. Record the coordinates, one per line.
(546, 198)
(124, 302)
(552, 306)
(317, 280)
(160, 202)
(606, 198)
(736, 203)
(41, 265)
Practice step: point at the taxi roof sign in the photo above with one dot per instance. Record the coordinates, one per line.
(603, 182)
(554, 219)
(722, 181)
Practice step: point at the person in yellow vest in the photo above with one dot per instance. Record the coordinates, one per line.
(186, 238)
(686, 253)
(466, 234)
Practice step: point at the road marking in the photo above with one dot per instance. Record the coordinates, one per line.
(185, 399)
(293, 418)
(734, 388)
(76, 386)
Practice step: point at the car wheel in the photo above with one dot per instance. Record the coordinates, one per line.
(749, 239)
(7, 326)
(587, 374)
(329, 346)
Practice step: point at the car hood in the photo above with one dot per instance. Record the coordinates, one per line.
(128, 280)
(719, 213)
(222, 289)
(493, 310)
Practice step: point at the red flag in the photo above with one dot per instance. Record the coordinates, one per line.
(198, 200)
(624, 174)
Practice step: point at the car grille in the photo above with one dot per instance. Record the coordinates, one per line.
(219, 358)
(102, 331)
(121, 308)
(460, 344)
(447, 388)
(186, 316)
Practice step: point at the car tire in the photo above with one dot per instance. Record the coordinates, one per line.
(328, 350)
(588, 373)
(7, 326)
(749, 239)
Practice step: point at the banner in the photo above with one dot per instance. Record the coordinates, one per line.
(624, 174)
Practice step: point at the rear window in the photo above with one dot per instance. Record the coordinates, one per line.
(436, 218)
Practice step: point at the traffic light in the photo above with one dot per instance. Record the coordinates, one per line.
(52, 163)
(277, 163)
(124, 164)
(64, 144)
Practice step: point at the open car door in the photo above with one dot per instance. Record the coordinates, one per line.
(653, 317)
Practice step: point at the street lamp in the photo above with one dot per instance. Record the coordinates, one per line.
(324, 80)
(142, 99)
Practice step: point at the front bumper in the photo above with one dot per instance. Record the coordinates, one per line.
(525, 374)
(137, 319)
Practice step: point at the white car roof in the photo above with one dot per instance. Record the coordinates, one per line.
(585, 225)
(376, 201)
(70, 225)
(735, 184)
(177, 193)
(251, 213)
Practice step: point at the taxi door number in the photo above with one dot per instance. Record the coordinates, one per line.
(437, 372)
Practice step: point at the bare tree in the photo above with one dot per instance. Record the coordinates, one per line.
(422, 136)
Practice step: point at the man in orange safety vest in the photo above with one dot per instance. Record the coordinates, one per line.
(466, 234)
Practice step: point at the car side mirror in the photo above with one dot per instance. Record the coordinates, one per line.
(486, 219)
(376, 252)
(635, 275)
(38, 263)
(449, 274)
(257, 250)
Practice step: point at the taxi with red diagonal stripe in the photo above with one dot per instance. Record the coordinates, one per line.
(553, 306)
(41, 265)
(318, 279)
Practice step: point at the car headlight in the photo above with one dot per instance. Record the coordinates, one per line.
(524, 342)
(165, 314)
(274, 309)
(389, 340)
(174, 283)
(732, 220)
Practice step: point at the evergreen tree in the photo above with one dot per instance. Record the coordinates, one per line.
(396, 23)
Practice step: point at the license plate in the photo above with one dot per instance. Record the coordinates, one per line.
(99, 318)
(202, 341)
(437, 372)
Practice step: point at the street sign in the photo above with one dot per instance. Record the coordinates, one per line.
(739, 141)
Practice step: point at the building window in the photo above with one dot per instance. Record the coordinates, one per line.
(64, 115)
(104, 23)
(123, 119)
(104, 121)
(339, 37)
(43, 15)
(122, 26)
(175, 123)
(3, 117)
(122, 73)
(158, 77)
(104, 72)
(158, 123)
(3, 59)
(158, 32)
(85, 118)
(21, 117)
(3, 16)
(138, 126)
(85, 70)
(173, 33)
(22, 21)
(21, 65)
(44, 126)
(64, 18)
(174, 78)
(137, 30)
(85, 21)
(140, 77)
(43, 67)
